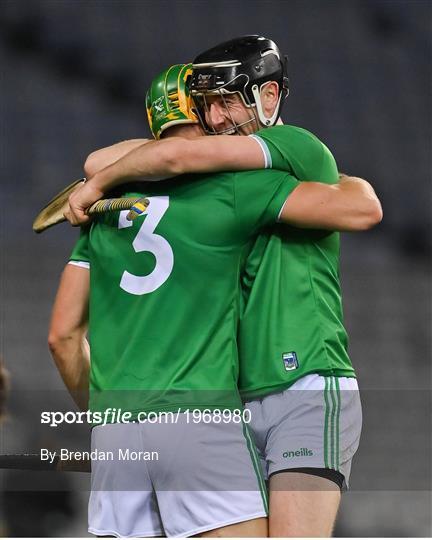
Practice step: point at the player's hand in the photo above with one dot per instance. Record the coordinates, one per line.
(79, 201)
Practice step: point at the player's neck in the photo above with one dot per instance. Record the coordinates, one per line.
(190, 131)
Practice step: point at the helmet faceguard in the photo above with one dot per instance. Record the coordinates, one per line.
(242, 65)
(168, 100)
(202, 109)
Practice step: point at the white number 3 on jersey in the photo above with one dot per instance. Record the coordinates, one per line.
(147, 240)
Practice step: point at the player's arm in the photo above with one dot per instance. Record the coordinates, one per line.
(67, 334)
(350, 205)
(99, 159)
(173, 156)
(166, 158)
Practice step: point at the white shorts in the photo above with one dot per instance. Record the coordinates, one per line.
(195, 477)
(315, 423)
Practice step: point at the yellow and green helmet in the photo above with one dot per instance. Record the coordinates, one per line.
(168, 100)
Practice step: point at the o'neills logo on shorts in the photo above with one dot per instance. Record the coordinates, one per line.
(298, 453)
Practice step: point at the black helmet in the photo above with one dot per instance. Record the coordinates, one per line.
(241, 65)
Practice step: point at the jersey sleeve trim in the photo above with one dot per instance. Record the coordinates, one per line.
(81, 264)
(281, 199)
(266, 152)
(281, 210)
(292, 188)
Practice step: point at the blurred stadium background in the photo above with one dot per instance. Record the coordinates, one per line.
(73, 78)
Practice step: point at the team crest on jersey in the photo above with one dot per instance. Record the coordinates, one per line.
(290, 360)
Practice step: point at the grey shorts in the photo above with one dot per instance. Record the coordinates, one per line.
(189, 478)
(316, 423)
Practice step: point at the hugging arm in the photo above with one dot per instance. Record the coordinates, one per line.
(350, 205)
(99, 159)
(158, 160)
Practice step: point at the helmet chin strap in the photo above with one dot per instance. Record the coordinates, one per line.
(266, 122)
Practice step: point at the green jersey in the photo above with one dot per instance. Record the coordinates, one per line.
(292, 322)
(164, 290)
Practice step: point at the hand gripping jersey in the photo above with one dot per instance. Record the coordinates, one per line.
(292, 322)
(164, 290)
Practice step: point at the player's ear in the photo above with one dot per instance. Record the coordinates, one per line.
(269, 97)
